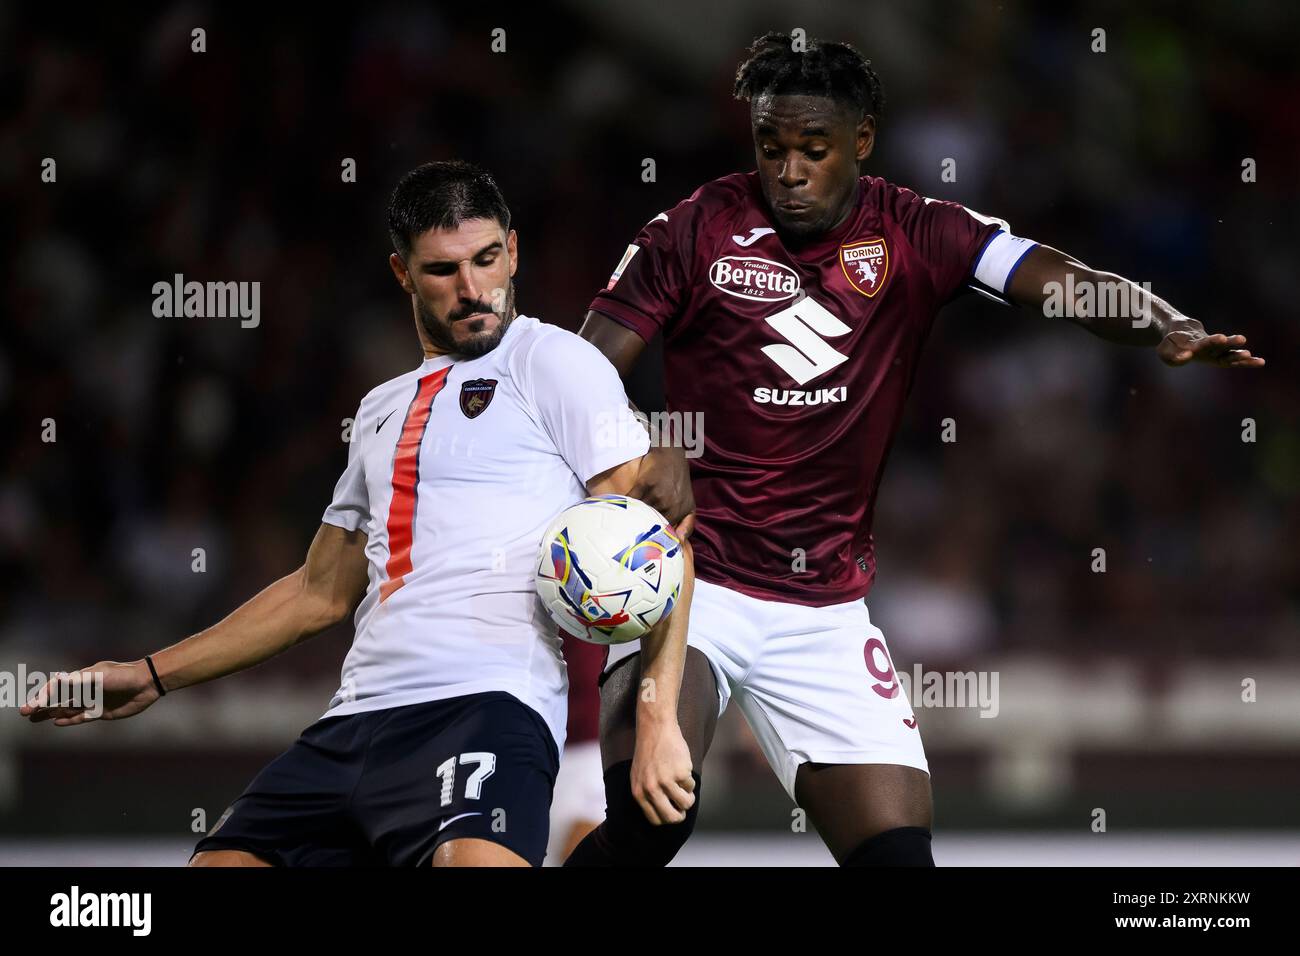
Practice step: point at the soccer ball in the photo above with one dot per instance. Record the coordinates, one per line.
(609, 569)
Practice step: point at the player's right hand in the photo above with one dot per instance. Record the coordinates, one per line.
(661, 773)
(1189, 342)
(664, 483)
(127, 689)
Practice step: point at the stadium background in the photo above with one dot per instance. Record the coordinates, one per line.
(1120, 691)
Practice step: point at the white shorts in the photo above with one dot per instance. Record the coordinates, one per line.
(816, 684)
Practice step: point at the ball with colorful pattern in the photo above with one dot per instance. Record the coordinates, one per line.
(609, 569)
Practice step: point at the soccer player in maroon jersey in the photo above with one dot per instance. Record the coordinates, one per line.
(794, 302)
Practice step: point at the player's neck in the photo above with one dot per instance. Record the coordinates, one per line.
(850, 205)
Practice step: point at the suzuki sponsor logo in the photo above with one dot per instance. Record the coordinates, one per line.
(754, 279)
(791, 396)
(805, 354)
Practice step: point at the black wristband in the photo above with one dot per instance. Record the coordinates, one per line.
(162, 691)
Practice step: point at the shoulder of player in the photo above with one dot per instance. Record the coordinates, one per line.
(552, 354)
(900, 204)
(892, 201)
(725, 192)
(725, 196)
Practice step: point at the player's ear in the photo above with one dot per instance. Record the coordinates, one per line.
(400, 271)
(512, 250)
(866, 137)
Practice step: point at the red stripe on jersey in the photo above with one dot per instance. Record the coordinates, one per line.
(406, 476)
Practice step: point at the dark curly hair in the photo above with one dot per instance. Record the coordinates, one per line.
(834, 70)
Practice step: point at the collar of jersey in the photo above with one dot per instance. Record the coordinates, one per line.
(436, 362)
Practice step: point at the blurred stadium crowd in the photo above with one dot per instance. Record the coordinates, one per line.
(176, 434)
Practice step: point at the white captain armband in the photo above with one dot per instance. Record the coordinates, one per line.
(997, 262)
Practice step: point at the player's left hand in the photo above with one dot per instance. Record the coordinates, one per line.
(661, 773)
(1191, 343)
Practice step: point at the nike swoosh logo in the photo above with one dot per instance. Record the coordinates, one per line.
(381, 424)
(911, 723)
(446, 823)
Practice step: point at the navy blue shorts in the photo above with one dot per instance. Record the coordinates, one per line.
(387, 787)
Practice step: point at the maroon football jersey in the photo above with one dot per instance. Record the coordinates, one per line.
(799, 359)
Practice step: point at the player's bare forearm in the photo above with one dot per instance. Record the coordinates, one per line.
(322, 592)
(663, 647)
(300, 605)
(661, 779)
(663, 657)
(1119, 310)
(1047, 276)
(270, 622)
(661, 774)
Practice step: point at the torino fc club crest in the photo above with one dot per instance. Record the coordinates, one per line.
(865, 265)
(476, 396)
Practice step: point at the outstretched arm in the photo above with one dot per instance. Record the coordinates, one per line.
(322, 592)
(1087, 297)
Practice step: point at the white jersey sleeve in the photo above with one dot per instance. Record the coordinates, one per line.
(350, 508)
(581, 404)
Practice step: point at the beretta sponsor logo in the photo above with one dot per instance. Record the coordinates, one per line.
(759, 280)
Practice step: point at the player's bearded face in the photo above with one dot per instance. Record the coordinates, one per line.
(473, 327)
(806, 148)
(461, 284)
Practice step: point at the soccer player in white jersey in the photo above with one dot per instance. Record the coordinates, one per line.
(442, 742)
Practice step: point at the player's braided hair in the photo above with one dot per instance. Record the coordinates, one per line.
(442, 195)
(834, 70)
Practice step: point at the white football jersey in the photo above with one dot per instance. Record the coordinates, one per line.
(454, 471)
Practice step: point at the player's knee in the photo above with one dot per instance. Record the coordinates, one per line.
(227, 858)
(637, 841)
(901, 846)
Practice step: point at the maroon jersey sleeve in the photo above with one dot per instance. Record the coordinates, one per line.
(651, 283)
(946, 236)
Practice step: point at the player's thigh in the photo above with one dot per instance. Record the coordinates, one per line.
(848, 804)
(475, 852)
(227, 858)
(478, 767)
(294, 812)
(824, 693)
(697, 708)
